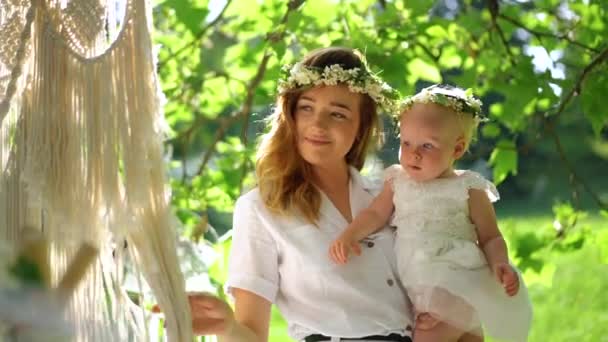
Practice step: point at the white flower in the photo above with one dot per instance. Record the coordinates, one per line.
(374, 89)
(301, 78)
(456, 99)
(357, 80)
(356, 89)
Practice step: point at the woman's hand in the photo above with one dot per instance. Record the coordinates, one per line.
(210, 315)
(342, 247)
(506, 275)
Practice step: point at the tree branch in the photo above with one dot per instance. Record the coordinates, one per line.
(197, 38)
(539, 34)
(599, 59)
(494, 8)
(245, 110)
(575, 178)
(550, 125)
(428, 51)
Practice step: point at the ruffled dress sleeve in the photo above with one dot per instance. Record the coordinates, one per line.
(391, 173)
(474, 180)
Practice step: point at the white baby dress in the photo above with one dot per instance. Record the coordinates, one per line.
(440, 263)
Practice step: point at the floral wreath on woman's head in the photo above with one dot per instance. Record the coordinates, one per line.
(459, 100)
(358, 80)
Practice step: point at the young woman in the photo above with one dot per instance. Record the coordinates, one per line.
(309, 189)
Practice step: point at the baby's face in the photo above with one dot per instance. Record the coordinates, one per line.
(431, 139)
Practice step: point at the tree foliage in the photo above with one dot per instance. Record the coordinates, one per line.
(538, 66)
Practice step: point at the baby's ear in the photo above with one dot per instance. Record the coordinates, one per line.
(459, 148)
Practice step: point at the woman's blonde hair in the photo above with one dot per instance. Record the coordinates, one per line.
(284, 177)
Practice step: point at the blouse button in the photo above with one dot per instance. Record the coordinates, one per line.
(370, 244)
(390, 282)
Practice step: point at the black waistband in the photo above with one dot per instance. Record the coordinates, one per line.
(391, 337)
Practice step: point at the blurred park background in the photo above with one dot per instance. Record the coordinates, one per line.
(540, 68)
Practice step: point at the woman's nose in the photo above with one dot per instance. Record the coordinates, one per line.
(320, 120)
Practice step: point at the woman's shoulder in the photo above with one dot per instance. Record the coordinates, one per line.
(250, 196)
(368, 182)
(248, 200)
(249, 204)
(250, 208)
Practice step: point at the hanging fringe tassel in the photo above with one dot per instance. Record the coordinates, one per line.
(86, 165)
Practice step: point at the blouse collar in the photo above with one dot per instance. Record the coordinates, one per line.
(359, 196)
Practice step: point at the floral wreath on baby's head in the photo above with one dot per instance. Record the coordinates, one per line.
(358, 80)
(459, 100)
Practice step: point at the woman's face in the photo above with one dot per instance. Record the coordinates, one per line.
(327, 121)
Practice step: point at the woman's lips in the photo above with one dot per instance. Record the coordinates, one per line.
(317, 141)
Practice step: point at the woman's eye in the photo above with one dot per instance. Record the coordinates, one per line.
(427, 146)
(304, 108)
(338, 115)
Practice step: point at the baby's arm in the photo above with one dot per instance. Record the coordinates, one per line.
(366, 222)
(491, 241)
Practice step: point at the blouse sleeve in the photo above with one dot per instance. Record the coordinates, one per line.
(253, 264)
(476, 181)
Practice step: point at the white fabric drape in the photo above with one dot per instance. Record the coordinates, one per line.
(81, 129)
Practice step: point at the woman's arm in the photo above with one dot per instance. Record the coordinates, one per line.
(249, 322)
(252, 316)
(490, 239)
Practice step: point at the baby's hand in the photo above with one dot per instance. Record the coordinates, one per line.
(342, 247)
(425, 321)
(507, 276)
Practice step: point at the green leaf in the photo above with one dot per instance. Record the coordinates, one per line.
(192, 17)
(526, 245)
(504, 160)
(294, 20)
(322, 11)
(279, 49)
(594, 107)
(450, 58)
(421, 8)
(490, 130)
(420, 69)
(213, 59)
(27, 272)
(437, 31)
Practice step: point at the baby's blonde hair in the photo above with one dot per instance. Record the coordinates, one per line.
(466, 107)
(468, 124)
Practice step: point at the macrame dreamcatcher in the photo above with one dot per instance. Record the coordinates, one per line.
(81, 131)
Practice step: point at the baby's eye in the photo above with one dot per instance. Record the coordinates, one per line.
(427, 146)
(405, 143)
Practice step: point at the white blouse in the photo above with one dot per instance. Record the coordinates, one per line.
(285, 260)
